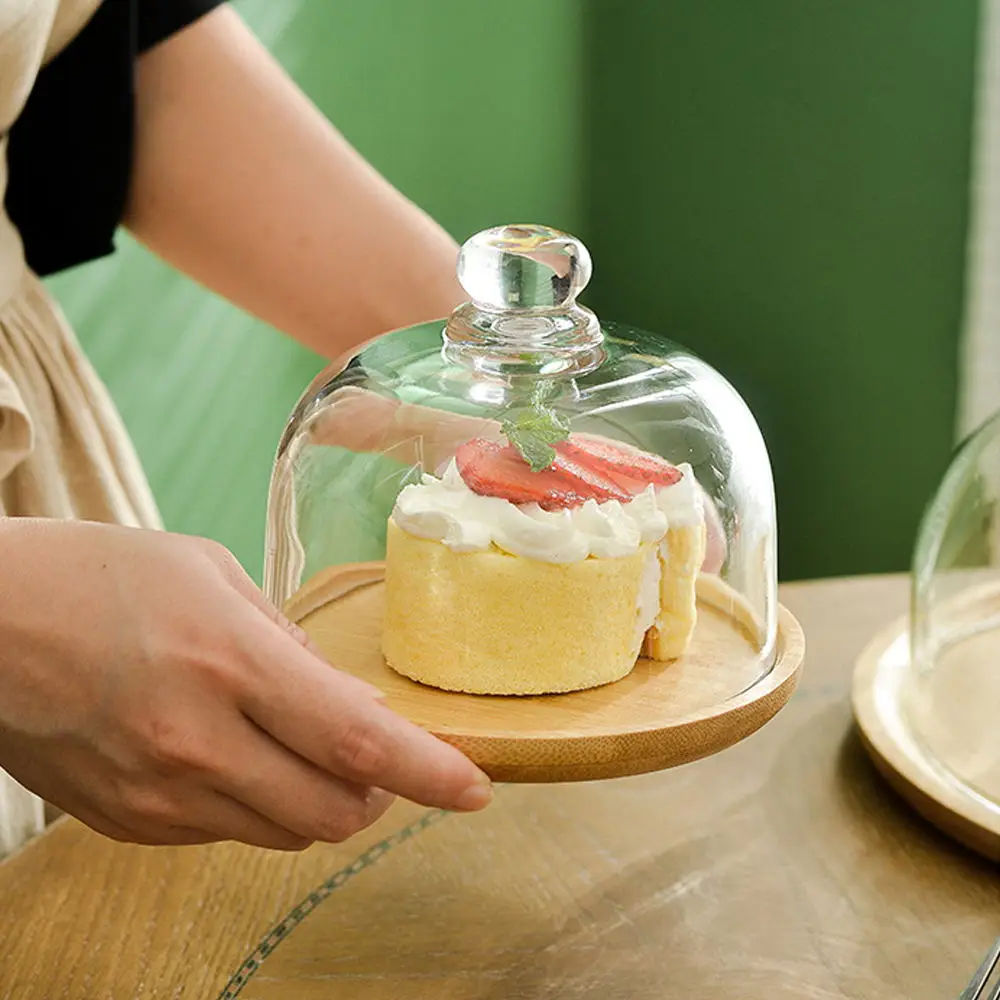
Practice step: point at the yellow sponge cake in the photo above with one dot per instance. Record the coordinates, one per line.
(504, 580)
(489, 622)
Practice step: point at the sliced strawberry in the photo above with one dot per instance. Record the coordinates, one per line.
(493, 469)
(593, 483)
(629, 468)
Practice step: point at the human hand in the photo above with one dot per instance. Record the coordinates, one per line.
(147, 688)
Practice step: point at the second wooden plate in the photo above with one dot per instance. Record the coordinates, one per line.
(661, 715)
(925, 759)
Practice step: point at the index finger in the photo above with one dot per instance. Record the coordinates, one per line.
(331, 719)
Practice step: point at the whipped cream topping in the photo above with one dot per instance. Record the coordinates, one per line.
(683, 502)
(445, 510)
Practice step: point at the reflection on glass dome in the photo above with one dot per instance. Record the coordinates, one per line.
(952, 698)
(532, 480)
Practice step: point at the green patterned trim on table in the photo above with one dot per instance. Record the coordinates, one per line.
(281, 930)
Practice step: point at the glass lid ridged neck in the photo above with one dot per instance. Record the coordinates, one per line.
(522, 317)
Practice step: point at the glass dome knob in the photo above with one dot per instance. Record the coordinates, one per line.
(522, 317)
(526, 267)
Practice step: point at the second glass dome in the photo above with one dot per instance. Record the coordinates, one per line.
(524, 398)
(951, 692)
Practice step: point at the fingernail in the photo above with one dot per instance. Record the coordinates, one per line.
(476, 796)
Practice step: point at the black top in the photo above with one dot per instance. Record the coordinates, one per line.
(70, 152)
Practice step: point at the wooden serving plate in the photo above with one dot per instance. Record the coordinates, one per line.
(660, 716)
(926, 757)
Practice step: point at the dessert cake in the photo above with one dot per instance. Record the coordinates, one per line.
(501, 579)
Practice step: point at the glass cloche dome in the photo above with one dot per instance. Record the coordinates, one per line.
(544, 501)
(950, 698)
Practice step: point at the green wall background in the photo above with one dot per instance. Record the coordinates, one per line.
(779, 184)
(782, 184)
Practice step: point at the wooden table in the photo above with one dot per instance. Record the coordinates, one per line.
(781, 868)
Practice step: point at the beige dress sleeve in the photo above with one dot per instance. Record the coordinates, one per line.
(64, 452)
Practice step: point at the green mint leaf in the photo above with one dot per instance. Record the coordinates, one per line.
(533, 432)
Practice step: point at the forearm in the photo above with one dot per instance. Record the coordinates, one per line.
(240, 182)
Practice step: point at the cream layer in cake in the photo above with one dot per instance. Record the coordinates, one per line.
(682, 553)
